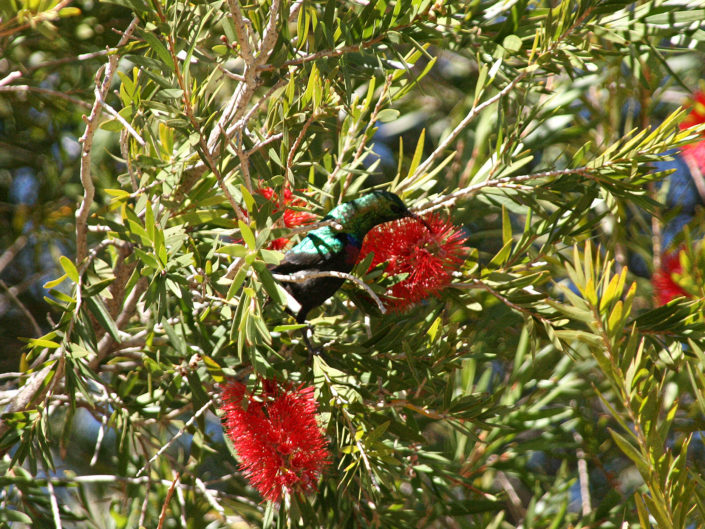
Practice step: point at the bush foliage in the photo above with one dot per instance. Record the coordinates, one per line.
(544, 388)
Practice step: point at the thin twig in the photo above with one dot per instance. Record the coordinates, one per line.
(12, 76)
(148, 480)
(231, 75)
(241, 123)
(45, 91)
(583, 476)
(110, 110)
(310, 227)
(171, 441)
(515, 505)
(297, 142)
(169, 493)
(210, 498)
(50, 14)
(244, 160)
(105, 343)
(264, 143)
(73, 60)
(305, 275)
(476, 283)
(99, 440)
(21, 306)
(474, 112)
(9, 254)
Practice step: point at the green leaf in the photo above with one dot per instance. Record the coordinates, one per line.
(98, 309)
(160, 49)
(418, 153)
(51, 284)
(388, 114)
(632, 453)
(511, 43)
(234, 250)
(247, 235)
(41, 342)
(237, 282)
(273, 288)
(290, 327)
(16, 516)
(149, 221)
(69, 268)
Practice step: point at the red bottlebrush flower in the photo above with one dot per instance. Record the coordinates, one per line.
(697, 114)
(427, 256)
(276, 435)
(292, 217)
(696, 151)
(665, 287)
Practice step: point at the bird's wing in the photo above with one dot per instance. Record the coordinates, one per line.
(313, 252)
(297, 261)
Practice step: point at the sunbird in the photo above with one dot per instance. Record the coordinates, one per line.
(329, 249)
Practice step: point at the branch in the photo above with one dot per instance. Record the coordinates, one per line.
(476, 283)
(26, 394)
(310, 227)
(8, 255)
(270, 34)
(236, 106)
(294, 11)
(242, 31)
(324, 54)
(505, 182)
(87, 143)
(303, 276)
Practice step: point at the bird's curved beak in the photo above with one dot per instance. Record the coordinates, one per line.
(421, 220)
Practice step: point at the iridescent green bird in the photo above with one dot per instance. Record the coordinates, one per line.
(327, 249)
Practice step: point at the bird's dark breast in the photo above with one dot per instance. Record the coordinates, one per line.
(315, 291)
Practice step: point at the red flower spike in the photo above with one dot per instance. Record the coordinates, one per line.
(427, 256)
(695, 151)
(665, 287)
(697, 113)
(277, 437)
(292, 218)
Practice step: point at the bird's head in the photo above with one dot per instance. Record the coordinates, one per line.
(366, 212)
